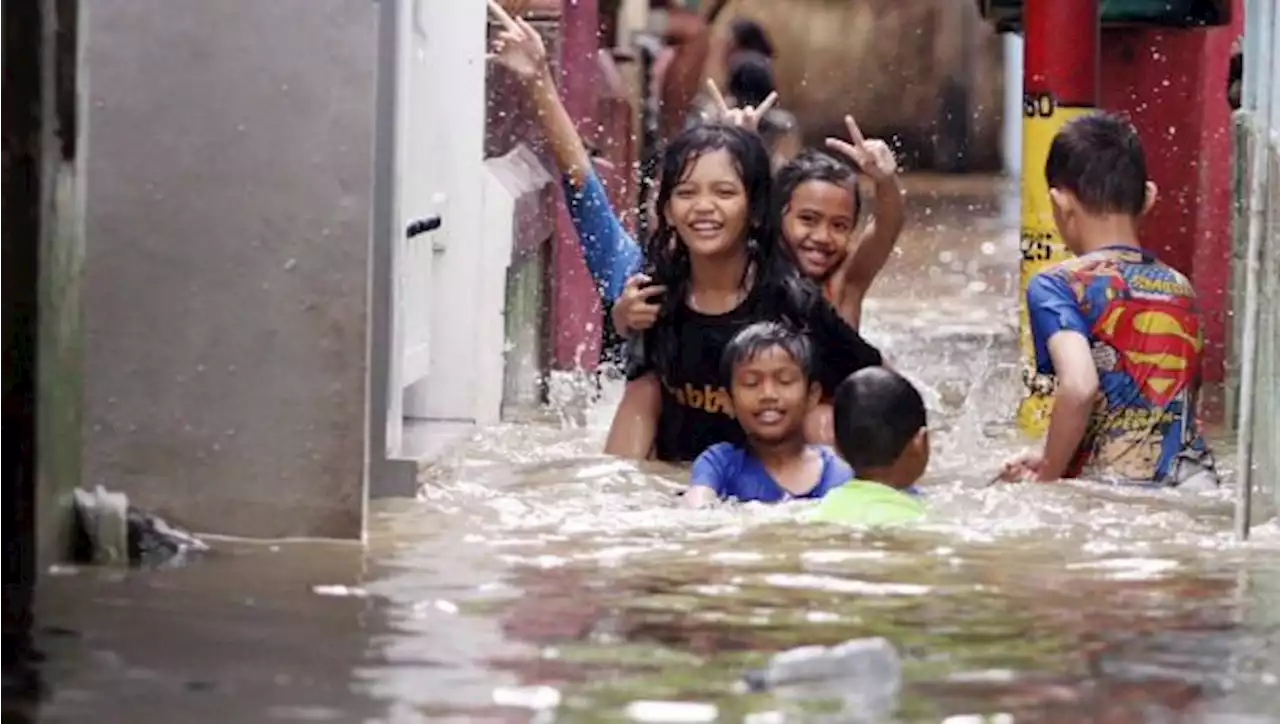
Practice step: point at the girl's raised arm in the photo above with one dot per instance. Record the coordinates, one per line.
(609, 251)
(875, 159)
(520, 49)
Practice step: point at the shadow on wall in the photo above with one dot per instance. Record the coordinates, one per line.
(928, 72)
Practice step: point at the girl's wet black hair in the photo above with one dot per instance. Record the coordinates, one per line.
(756, 338)
(771, 268)
(814, 165)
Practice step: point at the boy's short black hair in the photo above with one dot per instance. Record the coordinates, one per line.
(1099, 158)
(750, 35)
(758, 337)
(877, 413)
(750, 78)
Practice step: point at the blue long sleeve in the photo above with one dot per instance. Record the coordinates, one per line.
(610, 253)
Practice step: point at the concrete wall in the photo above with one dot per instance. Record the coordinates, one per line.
(229, 211)
(60, 371)
(43, 250)
(928, 72)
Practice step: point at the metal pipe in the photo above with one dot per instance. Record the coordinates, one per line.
(1259, 59)
(650, 46)
(1012, 124)
(1060, 82)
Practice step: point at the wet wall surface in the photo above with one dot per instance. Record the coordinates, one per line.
(229, 213)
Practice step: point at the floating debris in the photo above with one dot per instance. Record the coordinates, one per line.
(109, 531)
(340, 590)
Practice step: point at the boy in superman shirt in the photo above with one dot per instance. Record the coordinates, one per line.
(768, 369)
(1117, 333)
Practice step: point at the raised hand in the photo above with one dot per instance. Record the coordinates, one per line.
(1025, 466)
(748, 117)
(518, 46)
(873, 156)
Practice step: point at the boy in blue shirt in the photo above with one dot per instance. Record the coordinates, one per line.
(769, 372)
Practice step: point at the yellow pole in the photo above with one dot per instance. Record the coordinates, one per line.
(1060, 82)
(1042, 247)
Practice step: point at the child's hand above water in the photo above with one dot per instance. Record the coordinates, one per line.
(748, 117)
(518, 47)
(1023, 467)
(873, 156)
(637, 309)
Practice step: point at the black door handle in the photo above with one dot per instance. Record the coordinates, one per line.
(422, 226)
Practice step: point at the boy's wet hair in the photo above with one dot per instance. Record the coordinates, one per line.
(877, 413)
(814, 165)
(750, 35)
(750, 78)
(1099, 158)
(755, 339)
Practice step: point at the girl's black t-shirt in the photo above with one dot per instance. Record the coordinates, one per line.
(696, 411)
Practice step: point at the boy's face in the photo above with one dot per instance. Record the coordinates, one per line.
(771, 396)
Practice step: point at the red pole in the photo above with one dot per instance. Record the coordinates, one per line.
(1060, 82)
(1061, 50)
(575, 312)
(1172, 83)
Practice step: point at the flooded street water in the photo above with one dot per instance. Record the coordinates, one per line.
(537, 580)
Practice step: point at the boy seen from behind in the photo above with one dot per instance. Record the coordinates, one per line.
(882, 431)
(1118, 336)
(769, 372)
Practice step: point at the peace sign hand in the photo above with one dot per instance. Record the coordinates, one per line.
(873, 156)
(748, 117)
(518, 46)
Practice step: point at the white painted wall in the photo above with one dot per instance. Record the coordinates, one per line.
(444, 174)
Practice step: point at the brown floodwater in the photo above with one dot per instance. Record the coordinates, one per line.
(536, 580)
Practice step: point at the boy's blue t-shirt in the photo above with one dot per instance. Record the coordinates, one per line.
(612, 256)
(735, 473)
(1142, 323)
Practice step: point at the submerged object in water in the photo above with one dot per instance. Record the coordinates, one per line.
(865, 673)
(110, 531)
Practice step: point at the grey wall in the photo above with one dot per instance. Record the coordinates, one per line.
(43, 184)
(229, 209)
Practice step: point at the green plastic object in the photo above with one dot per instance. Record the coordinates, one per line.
(1007, 14)
(862, 502)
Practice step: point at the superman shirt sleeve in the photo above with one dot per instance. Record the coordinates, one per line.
(1053, 308)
